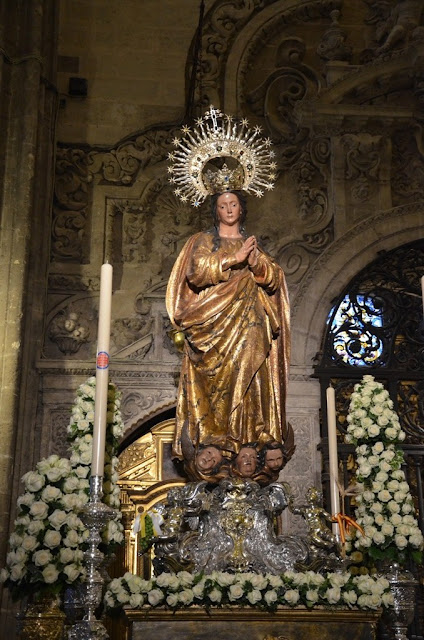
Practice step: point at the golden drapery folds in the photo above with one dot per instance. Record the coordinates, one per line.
(237, 345)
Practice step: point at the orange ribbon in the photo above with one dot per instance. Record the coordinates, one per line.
(345, 522)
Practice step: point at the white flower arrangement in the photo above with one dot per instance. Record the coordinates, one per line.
(385, 507)
(265, 591)
(46, 546)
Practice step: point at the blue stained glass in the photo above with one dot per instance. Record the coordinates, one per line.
(354, 330)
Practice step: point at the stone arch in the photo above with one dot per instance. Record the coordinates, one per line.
(337, 265)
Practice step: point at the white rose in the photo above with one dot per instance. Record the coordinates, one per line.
(381, 476)
(27, 499)
(33, 481)
(186, 579)
(315, 579)
(72, 572)
(51, 494)
(4, 575)
(384, 495)
(400, 496)
(377, 409)
(66, 555)
(235, 592)
(258, 581)
(378, 537)
(333, 595)
(224, 579)
(373, 461)
(393, 485)
(378, 447)
(57, 518)
(254, 596)
(136, 600)
(270, 597)
(416, 539)
(391, 433)
(52, 539)
(358, 432)
(379, 519)
(199, 588)
(29, 543)
(172, 599)
(15, 540)
(400, 541)
(155, 596)
(292, 596)
(312, 595)
(215, 595)
(82, 472)
(376, 507)
(72, 539)
(389, 454)
(275, 581)
(374, 430)
(134, 582)
(387, 529)
(349, 597)
(407, 507)
(364, 470)
(17, 572)
(39, 510)
(71, 484)
(41, 557)
(393, 506)
(16, 557)
(377, 486)
(382, 421)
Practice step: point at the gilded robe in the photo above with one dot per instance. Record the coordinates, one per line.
(237, 345)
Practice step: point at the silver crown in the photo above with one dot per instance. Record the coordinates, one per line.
(219, 136)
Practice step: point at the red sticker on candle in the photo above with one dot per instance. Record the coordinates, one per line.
(102, 361)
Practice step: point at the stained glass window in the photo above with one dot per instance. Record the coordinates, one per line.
(353, 332)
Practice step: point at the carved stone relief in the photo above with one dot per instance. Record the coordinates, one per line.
(59, 420)
(138, 405)
(70, 209)
(303, 470)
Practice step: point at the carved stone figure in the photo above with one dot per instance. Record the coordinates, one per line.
(404, 18)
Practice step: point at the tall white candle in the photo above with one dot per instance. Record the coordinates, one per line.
(102, 371)
(332, 455)
(422, 291)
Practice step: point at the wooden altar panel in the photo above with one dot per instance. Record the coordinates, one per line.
(245, 624)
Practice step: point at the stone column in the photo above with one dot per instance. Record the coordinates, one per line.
(28, 107)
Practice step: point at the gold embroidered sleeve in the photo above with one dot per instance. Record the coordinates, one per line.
(209, 267)
(265, 273)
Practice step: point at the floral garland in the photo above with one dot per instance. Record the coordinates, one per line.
(46, 546)
(385, 507)
(265, 591)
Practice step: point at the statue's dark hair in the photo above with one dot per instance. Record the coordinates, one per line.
(214, 231)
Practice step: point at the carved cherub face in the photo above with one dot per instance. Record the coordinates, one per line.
(274, 459)
(246, 462)
(208, 458)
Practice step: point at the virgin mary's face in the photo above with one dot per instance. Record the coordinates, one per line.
(228, 209)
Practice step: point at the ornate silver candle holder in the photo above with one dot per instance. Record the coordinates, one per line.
(404, 587)
(95, 516)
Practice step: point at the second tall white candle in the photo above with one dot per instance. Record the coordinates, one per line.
(332, 455)
(102, 371)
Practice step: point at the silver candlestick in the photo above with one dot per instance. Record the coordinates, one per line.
(95, 515)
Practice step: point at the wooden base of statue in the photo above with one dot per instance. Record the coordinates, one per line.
(252, 624)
